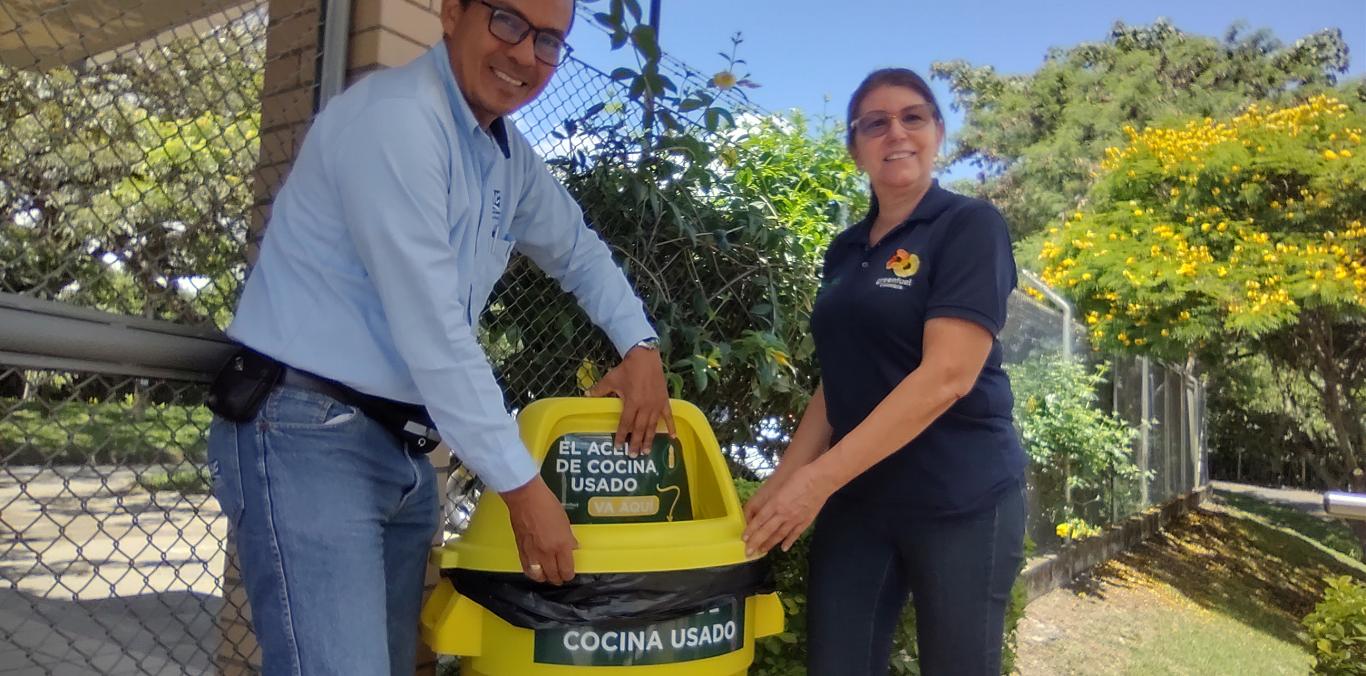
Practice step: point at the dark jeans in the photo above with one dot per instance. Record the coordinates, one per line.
(866, 559)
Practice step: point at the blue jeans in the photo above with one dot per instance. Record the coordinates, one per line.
(332, 521)
(866, 558)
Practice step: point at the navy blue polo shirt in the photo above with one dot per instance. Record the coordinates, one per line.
(950, 258)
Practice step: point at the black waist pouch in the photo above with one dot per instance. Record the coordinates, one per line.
(243, 384)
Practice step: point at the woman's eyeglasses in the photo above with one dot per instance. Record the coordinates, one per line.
(879, 122)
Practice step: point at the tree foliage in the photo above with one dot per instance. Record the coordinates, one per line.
(1228, 238)
(125, 184)
(1036, 138)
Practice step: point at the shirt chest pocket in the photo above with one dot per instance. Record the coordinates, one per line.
(481, 231)
(491, 263)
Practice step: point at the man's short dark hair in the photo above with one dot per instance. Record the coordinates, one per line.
(573, 15)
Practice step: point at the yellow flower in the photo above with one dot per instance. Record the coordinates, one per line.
(723, 80)
(1329, 155)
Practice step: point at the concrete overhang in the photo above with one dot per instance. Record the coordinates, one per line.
(41, 34)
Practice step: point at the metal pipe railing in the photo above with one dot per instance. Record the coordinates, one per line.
(1345, 505)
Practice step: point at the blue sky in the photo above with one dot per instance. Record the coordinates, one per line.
(802, 51)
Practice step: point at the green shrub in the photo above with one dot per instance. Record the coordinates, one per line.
(122, 433)
(1337, 629)
(1075, 448)
(785, 654)
(188, 481)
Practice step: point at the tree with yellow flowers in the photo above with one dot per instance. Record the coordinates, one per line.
(1223, 239)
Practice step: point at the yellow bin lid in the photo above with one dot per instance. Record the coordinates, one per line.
(673, 509)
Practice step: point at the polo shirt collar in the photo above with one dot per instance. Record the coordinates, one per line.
(464, 117)
(931, 206)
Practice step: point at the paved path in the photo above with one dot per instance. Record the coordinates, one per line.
(98, 576)
(1305, 501)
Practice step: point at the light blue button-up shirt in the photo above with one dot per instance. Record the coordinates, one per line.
(386, 240)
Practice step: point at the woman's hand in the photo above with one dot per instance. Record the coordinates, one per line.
(786, 511)
(766, 491)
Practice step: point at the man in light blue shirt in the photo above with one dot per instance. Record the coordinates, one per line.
(409, 194)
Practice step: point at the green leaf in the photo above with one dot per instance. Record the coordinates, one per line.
(643, 38)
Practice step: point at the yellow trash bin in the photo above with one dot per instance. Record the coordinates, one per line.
(663, 585)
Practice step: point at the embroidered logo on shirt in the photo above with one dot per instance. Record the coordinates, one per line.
(904, 265)
(497, 206)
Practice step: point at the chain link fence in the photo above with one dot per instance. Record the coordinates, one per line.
(129, 137)
(1163, 405)
(137, 141)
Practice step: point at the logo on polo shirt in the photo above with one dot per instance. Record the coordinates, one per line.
(903, 265)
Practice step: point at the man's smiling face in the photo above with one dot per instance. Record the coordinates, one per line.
(496, 77)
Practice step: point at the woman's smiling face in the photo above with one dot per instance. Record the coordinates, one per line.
(895, 158)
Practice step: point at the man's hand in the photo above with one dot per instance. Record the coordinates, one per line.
(639, 381)
(541, 528)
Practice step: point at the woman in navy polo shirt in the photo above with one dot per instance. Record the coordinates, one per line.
(906, 458)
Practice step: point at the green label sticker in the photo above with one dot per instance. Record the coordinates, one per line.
(712, 632)
(597, 483)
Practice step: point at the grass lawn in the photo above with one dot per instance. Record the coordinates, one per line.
(1221, 592)
(77, 432)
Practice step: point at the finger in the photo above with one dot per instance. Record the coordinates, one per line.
(756, 502)
(760, 531)
(565, 560)
(602, 388)
(526, 562)
(644, 434)
(535, 571)
(553, 574)
(669, 419)
(633, 434)
(628, 412)
(793, 536)
(774, 536)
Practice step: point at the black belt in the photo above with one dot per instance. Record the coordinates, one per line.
(409, 422)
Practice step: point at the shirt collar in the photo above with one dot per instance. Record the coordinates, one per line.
(464, 117)
(930, 207)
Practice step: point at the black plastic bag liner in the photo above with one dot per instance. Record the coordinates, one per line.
(610, 599)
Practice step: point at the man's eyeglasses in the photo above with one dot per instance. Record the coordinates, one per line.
(512, 28)
(879, 122)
